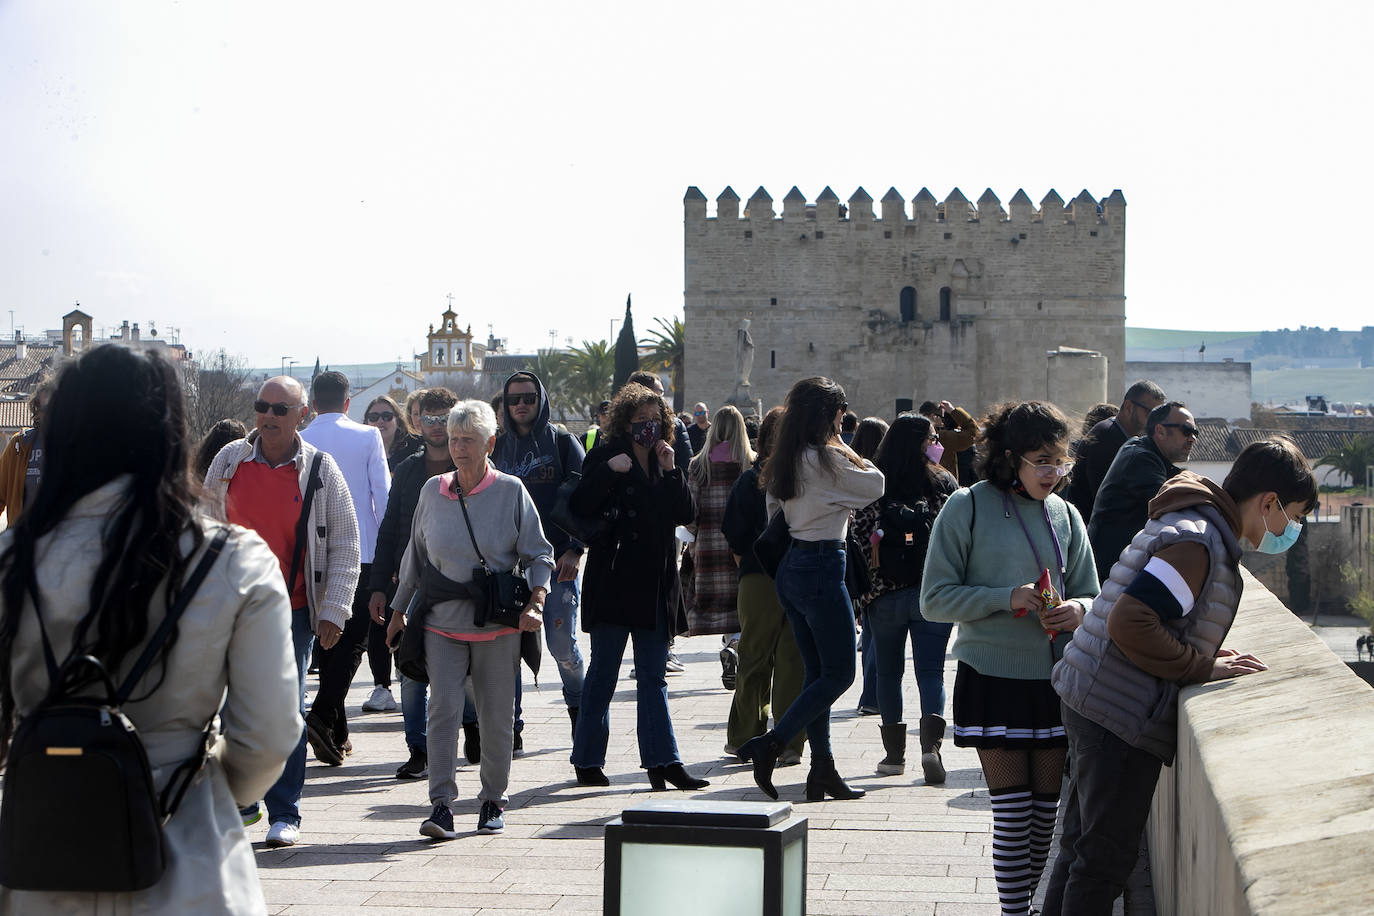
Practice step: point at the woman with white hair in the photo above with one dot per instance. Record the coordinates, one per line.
(463, 518)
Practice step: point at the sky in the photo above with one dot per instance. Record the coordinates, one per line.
(312, 180)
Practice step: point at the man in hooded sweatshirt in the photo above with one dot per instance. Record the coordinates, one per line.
(1158, 625)
(544, 456)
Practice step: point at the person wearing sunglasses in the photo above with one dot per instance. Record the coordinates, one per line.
(398, 438)
(990, 548)
(264, 482)
(1093, 453)
(1137, 472)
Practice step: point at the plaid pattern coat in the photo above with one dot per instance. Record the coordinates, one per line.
(710, 598)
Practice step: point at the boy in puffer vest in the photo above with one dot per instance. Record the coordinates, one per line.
(1157, 626)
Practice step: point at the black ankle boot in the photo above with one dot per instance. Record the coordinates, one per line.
(572, 714)
(932, 733)
(675, 774)
(825, 780)
(763, 751)
(591, 776)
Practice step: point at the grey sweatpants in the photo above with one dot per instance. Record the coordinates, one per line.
(493, 665)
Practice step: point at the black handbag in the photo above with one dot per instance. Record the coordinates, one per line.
(500, 597)
(410, 652)
(78, 760)
(858, 580)
(770, 546)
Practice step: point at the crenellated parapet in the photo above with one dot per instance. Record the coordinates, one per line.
(956, 208)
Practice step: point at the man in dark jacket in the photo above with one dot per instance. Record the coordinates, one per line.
(1094, 453)
(543, 457)
(393, 537)
(1136, 474)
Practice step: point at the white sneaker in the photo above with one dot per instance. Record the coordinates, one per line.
(283, 834)
(381, 700)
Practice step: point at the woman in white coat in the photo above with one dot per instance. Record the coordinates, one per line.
(113, 523)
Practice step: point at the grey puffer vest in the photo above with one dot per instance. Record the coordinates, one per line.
(1095, 678)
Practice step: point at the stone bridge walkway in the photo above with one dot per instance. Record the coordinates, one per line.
(906, 848)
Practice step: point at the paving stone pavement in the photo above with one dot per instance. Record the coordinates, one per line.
(906, 848)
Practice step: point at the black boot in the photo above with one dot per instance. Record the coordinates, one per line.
(472, 742)
(591, 776)
(932, 732)
(675, 774)
(825, 780)
(763, 751)
(894, 742)
(572, 714)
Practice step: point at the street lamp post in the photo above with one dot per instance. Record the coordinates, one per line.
(283, 364)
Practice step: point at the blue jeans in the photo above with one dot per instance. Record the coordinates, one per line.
(891, 617)
(869, 656)
(284, 798)
(1111, 786)
(415, 711)
(811, 590)
(560, 634)
(657, 744)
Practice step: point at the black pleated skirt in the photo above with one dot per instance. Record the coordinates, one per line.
(1001, 712)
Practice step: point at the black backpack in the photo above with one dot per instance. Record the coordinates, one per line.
(80, 810)
(905, 540)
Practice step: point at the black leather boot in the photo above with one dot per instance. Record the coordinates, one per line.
(763, 752)
(825, 780)
(932, 732)
(675, 774)
(572, 714)
(894, 742)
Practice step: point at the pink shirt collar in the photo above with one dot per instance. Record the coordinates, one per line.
(447, 488)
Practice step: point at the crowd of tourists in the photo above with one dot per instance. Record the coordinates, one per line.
(453, 541)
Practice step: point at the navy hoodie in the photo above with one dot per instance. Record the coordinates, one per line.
(538, 459)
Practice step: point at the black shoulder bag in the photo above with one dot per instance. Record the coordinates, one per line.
(80, 810)
(500, 596)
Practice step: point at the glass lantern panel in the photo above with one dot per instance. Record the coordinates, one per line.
(793, 877)
(677, 880)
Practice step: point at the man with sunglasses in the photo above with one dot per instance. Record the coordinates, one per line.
(1140, 468)
(263, 482)
(701, 425)
(543, 456)
(1093, 453)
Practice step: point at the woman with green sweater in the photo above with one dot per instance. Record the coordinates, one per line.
(992, 547)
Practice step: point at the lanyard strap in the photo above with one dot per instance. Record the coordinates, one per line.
(1010, 507)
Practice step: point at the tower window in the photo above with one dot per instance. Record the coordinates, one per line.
(945, 304)
(908, 304)
(772, 359)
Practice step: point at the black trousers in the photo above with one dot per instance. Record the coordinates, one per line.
(339, 664)
(378, 655)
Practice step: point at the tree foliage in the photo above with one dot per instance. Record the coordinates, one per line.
(218, 388)
(667, 351)
(626, 350)
(1352, 458)
(553, 367)
(591, 369)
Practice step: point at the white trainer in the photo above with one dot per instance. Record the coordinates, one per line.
(381, 700)
(283, 834)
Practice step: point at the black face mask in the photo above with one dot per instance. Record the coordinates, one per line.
(645, 432)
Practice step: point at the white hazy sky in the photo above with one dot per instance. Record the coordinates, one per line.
(312, 179)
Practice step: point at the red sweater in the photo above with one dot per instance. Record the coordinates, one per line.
(268, 500)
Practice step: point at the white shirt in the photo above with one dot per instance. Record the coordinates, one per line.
(358, 451)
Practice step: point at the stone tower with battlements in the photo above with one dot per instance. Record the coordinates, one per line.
(937, 300)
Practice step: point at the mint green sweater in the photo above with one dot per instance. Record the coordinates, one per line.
(975, 561)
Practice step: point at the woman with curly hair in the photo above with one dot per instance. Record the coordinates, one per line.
(630, 588)
(816, 481)
(991, 549)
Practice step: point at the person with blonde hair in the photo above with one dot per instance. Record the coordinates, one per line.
(711, 605)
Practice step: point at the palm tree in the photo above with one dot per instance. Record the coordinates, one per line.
(591, 367)
(667, 351)
(1352, 458)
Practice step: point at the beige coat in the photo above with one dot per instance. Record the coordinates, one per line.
(235, 634)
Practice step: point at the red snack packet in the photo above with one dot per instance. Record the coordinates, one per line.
(1047, 595)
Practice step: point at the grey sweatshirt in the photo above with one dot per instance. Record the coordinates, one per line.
(506, 523)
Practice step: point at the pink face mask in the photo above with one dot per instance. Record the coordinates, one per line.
(934, 451)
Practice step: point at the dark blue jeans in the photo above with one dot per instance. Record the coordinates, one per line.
(891, 617)
(1111, 785)
(657, 744)
(811, 590)
(868, 655)
(284, 798)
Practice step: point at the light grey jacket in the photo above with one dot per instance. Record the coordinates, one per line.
(234, 636)
(331, 564)
(1098, 681)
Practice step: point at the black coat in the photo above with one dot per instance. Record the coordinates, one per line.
(1091, 460)
(393, 535)
(1123, 500)
(746, 515)
(631, 577)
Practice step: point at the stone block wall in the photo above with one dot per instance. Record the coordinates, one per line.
(1209, 389)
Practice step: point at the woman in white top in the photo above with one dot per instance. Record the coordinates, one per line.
(816, 481)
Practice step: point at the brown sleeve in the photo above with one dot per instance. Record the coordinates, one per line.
(1138, 629)
(957, 440)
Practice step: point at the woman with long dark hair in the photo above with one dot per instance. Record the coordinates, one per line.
(105, 548)
(630, 591)
(815, 480)
(399, 441)
(917, 487)
(992, 547)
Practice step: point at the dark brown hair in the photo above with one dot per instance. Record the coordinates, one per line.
(866, 438)
(1012, 430)
(808, 421)
(1273, 465)
(629, 399)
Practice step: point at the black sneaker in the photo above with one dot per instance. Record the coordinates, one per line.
(729, 665)
(439, 825)
(321, 739)
(490, 820)
(517, 745)
(417, 767)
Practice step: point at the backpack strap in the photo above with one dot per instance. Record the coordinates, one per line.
(303, 523)
(188, 591)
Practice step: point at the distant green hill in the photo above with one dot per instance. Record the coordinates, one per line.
(1291, 386)
(1168, 338)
